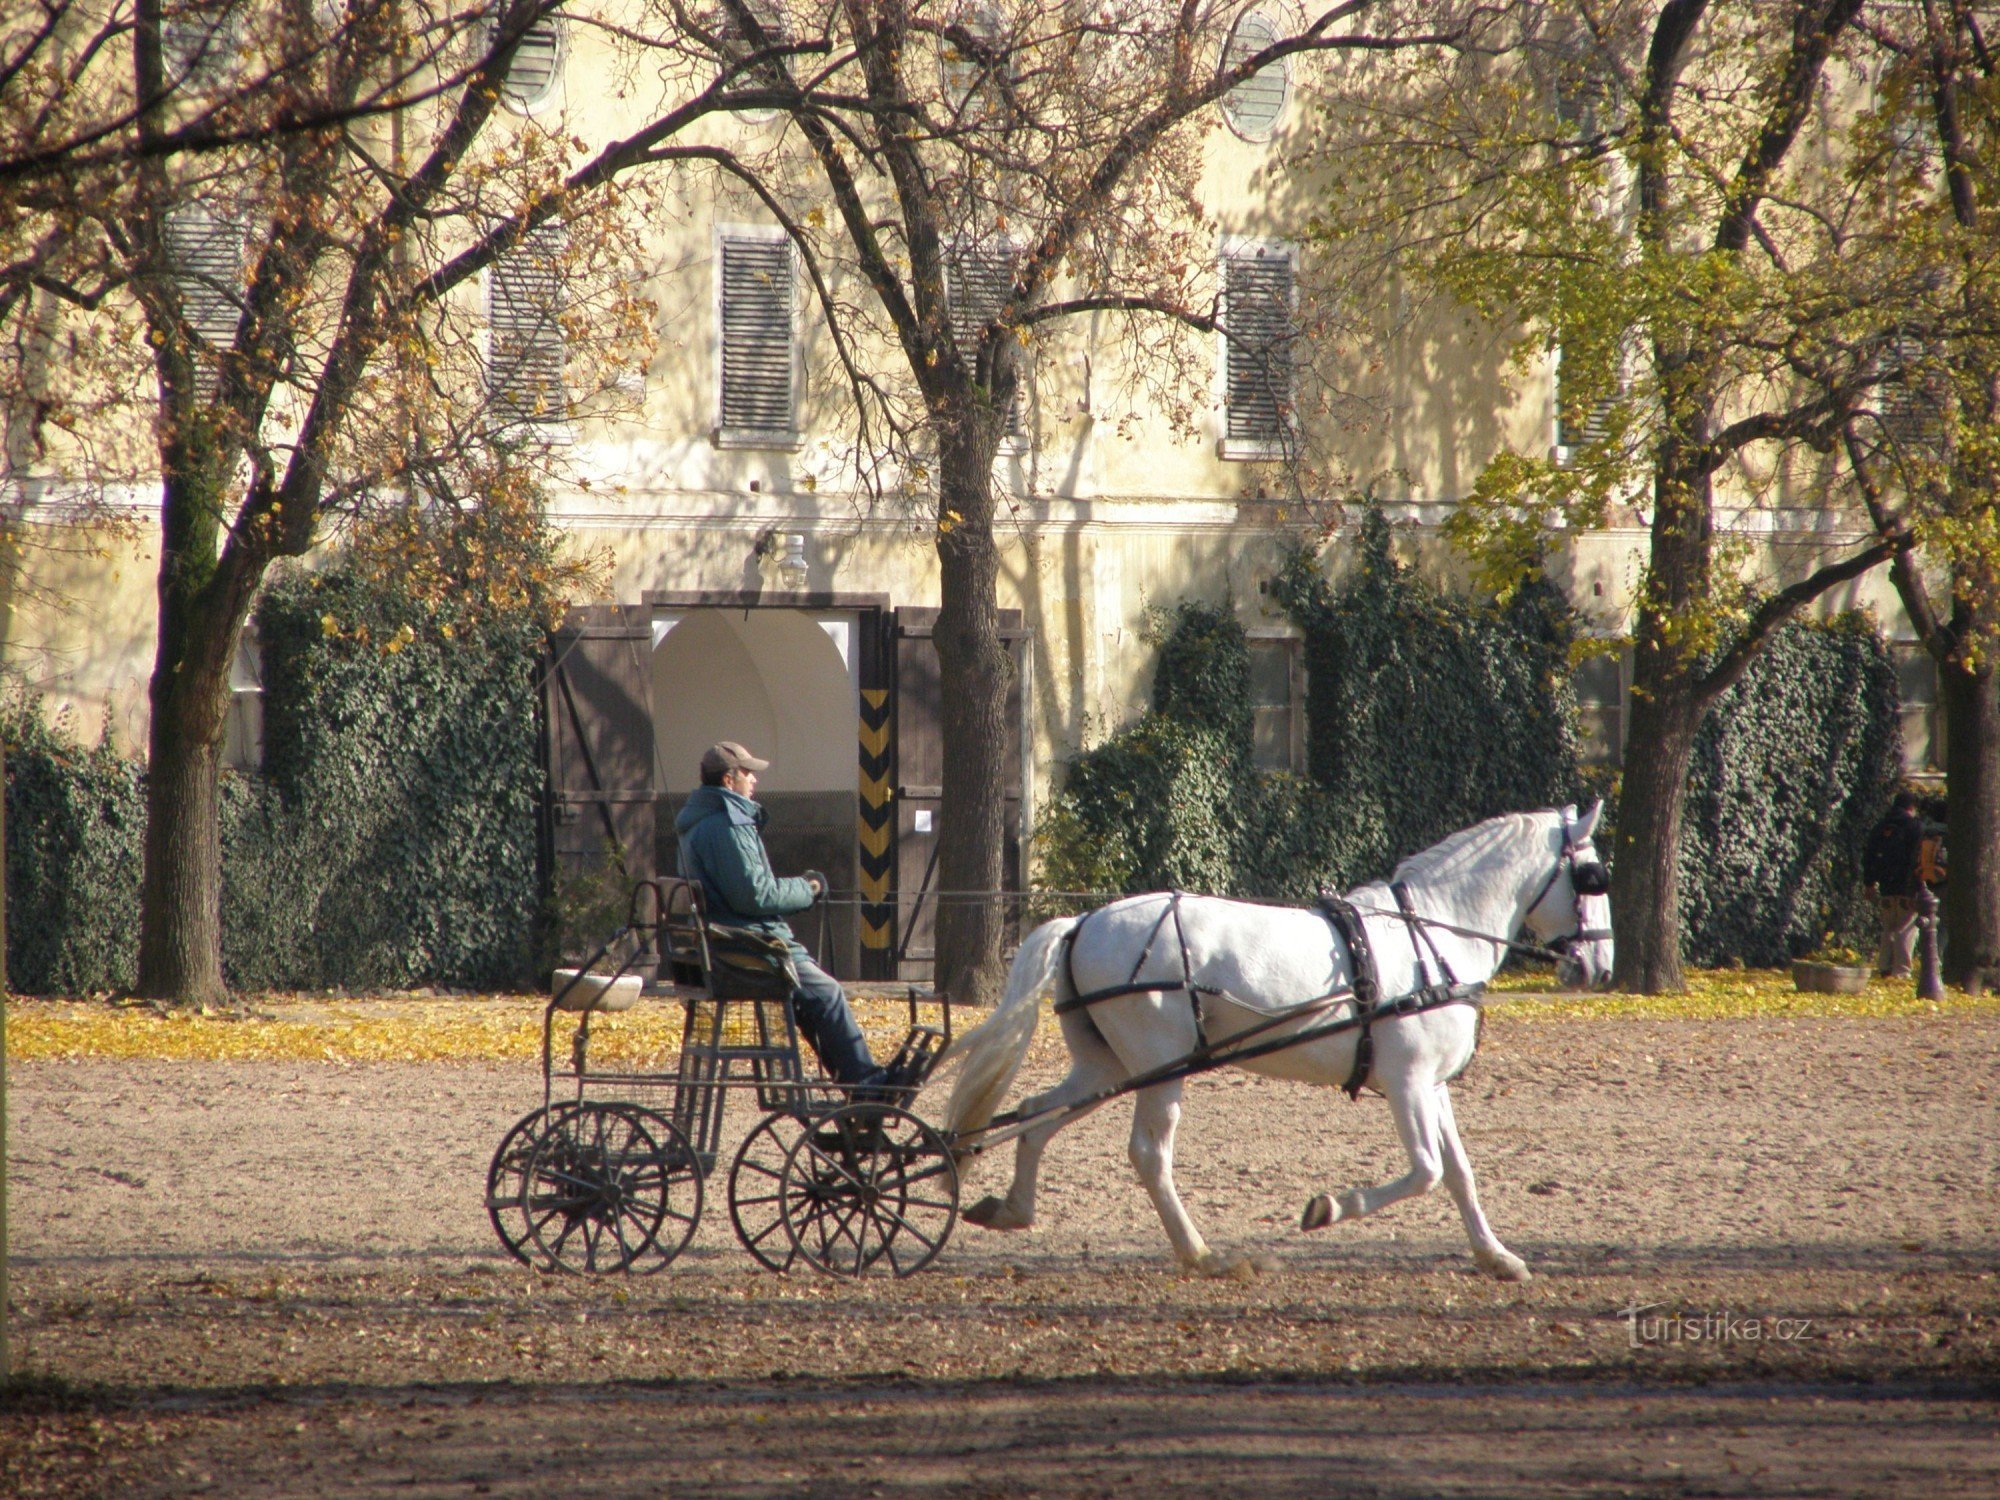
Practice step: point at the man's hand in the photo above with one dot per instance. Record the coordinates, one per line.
(817, 883)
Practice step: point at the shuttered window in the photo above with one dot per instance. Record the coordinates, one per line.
(537, 65)
(738, 44)
(1581, 423)
(206, 253)
(197, 41)
(757, 341)
(1912, 397)
(1578, 424)
(978, 281)
(1254, 107)
(524, 366)
(1259, 328)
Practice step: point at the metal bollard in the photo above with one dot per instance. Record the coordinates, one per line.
(1930, 982)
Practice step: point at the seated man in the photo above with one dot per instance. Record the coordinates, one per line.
(722, 850)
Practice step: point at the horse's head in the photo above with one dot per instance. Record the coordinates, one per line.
(1573, 912)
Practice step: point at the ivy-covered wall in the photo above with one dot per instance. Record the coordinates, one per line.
(1792, 768)
(391, 841)
(76, 823)
(1427, 712)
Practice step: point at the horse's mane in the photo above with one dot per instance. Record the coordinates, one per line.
(1465, 850)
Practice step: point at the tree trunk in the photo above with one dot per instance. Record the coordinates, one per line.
(180, 913)
(1971, 909)
(201, 617)
(1666, 711)
(1646, 889)
(973, 667)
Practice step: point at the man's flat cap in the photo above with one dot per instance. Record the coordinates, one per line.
(730, 756)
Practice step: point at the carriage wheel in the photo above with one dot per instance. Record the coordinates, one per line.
(683, 1198)
(754, 1190)
(611, 1187)
(868, 1184)
(508, 1175)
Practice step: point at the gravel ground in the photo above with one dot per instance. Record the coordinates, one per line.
(278, 1278)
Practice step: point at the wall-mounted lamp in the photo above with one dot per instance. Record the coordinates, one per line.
(792, 564)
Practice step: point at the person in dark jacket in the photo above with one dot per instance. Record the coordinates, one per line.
(722, 849)
(1889, 865)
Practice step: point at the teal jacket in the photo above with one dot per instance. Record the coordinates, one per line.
(722, 847)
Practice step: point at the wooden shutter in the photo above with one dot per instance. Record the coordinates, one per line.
(198, 41)
(978, 281)
(757, 336)
(524, 368)
(536, 64)
(1255, 105)
(206, 253)
(1257, 312)
(600, 740)
(919, 780)
(1579, 429)
(1912, 398)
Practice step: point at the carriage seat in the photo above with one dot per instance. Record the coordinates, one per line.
(725, 961)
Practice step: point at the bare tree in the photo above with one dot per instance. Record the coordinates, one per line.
(283, 327)
(962, 182)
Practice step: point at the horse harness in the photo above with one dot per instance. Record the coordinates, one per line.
(1365, 992)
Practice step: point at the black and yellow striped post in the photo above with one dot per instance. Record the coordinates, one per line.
(876, 832)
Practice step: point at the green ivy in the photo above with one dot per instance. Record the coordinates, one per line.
(1790, 771)
(391, 840)
(401, 772)
(76, 827)
(1428, 711)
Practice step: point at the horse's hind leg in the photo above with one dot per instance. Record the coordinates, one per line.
(1092, 1068)
(1154, 1119)
(1493, 1257)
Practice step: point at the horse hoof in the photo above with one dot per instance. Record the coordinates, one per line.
(991, 1212)
(1505, 1267)
(1318, 1214)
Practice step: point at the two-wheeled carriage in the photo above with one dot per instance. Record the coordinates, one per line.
(611, 1172)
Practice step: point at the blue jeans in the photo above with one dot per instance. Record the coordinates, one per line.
(820, 1007)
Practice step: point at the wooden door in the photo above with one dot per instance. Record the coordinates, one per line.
(600, 741)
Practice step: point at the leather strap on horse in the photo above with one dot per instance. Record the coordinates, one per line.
(1133, 984)
(1346, 921)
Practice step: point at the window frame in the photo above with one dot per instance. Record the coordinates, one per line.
(1260, 448)
(523, 103)
(553, 425)
(723, 433)
(1296, 694)
(1255, 134)
(1014, 436)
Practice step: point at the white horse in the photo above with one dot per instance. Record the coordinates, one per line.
(1247, 962)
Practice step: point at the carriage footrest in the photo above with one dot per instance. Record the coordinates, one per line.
(915, 1058)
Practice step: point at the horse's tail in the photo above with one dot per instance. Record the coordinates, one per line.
(993, 1049)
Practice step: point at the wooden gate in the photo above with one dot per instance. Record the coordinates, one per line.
(599, 717)
(919, 774)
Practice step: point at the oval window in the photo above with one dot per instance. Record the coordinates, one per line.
(1254, 107)
(537, 65)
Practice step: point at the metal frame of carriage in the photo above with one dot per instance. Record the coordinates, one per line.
(847, 1180)
(612, 1175)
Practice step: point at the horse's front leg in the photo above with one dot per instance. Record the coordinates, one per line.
(1413, 1107)
(1154, 1120)
(1493, 1257)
